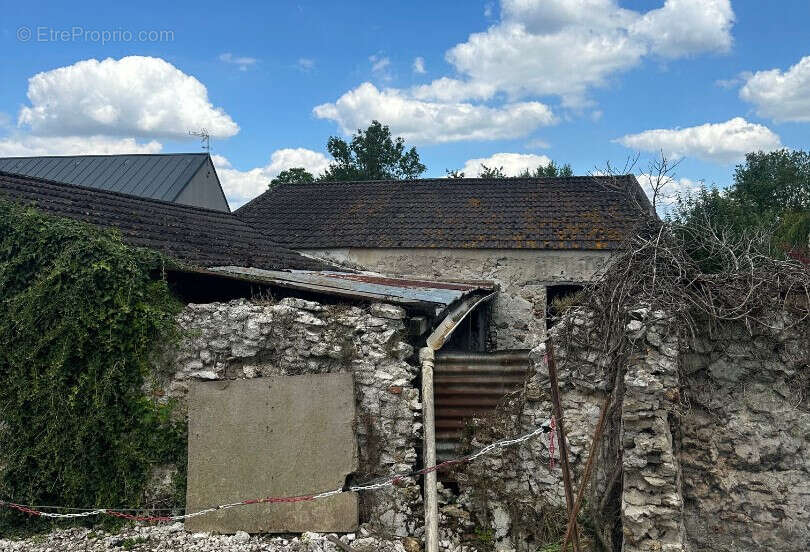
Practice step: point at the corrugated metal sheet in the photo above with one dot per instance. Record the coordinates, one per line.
(156, 176)
(471, 384)
(427, 295)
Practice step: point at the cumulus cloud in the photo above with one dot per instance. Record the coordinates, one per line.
(419, 65)
(669, 191)
(559, 48)
(684, 27)
(565, 47)
(242, 186)
(24, 146)
(424, 122)
(244, 63)
(513, 163)
(778, 95)
(719, 142)
(133, 96)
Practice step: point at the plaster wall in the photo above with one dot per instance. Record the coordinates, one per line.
(518, 312)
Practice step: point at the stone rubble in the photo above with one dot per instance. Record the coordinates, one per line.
(172, 538)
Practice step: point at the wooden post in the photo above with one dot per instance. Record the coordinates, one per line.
(427, 356)
(558, 414)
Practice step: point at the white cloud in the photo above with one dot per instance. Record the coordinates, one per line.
(684, 27)
(557, 48)
(720, 142)
(781, 96)
(512, 163)
(425, 122)
(240, 61)
(669, 191)
(23, 146)
(379, 63)
(134, 96)
(419, 65)
(565, 47)
(242, 186)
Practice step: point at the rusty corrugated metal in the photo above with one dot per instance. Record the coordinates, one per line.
(471, 384)
(428, 295)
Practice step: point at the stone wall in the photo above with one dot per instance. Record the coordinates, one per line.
(745, 439)
(706, 445)
(241, 339)
(518, 312)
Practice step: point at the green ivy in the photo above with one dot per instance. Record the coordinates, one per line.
(82, 316)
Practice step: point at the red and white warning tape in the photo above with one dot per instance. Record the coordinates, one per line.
(371, 486)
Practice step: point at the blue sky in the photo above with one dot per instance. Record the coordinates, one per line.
(513, 83)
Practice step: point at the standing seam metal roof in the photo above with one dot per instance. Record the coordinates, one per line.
(155, 176)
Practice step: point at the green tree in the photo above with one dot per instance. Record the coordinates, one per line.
(372, 154)
(542, 171)
(491, 172)
(548, 171)
(770, 191)
(295, 175)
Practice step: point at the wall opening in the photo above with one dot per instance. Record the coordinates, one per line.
(556, 297)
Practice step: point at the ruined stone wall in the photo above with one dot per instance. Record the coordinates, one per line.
(518, 312)
(242, 339)
(745, 438)
(706, 447)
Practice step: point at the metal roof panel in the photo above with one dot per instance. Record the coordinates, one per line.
(156, 176)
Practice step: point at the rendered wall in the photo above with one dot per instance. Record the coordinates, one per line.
(518, 312)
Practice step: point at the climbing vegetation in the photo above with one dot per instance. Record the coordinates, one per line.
(81, 319)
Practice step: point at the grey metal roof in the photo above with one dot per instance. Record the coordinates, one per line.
(426, 295)
(156, 176)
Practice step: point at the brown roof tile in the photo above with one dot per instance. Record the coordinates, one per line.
(515, 213)
(193, 235)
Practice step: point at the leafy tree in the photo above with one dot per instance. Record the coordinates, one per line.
(372, 154)
(491, 172)
(550, 170)
(295, 175)
(542, 171)
(770, 191)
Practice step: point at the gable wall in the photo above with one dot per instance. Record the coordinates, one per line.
(518, 312)
(204, 190)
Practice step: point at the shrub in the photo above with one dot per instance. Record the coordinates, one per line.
(81, 317)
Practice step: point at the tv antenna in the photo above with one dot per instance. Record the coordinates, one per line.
(205, 138)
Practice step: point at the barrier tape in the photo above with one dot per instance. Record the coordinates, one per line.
(371, 486)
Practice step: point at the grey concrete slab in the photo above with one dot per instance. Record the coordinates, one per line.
(273, 436)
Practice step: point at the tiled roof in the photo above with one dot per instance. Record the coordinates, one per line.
(516, 213)
(196, 236)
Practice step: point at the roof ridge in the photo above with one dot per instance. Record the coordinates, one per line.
(102, 155)
(451, 180)
(119, 194)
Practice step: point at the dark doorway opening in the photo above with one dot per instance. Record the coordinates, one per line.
(557, 298)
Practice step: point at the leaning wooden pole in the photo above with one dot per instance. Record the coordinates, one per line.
(561, 440)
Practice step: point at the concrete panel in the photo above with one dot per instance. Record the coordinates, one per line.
(273, 436)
